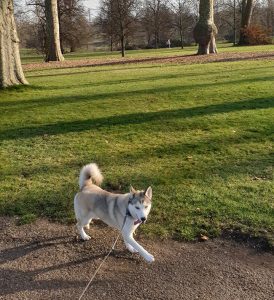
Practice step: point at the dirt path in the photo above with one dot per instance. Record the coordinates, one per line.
(180, 59)
(46, 261)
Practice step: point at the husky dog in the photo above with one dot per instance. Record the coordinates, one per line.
(122, 211)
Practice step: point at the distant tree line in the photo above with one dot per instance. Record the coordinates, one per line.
(55, 26)
(131, 24)
(150, 23)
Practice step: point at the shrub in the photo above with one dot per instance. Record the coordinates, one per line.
(256, 35)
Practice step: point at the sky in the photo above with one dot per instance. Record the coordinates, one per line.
(93, 4)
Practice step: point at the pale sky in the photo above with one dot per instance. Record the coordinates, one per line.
(92, 3)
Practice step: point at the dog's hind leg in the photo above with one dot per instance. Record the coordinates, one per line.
(88, 224)
(83, 219)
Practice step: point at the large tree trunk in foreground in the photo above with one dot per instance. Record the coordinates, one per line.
(53, 48)
(11, 72)
(247, 8)
(205, 30)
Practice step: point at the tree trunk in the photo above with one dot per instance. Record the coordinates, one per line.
(111, 44)
(53, 48)
(123, 46)
(269, 20)
(205, 29)
(11, 72)
(156, 40)
(182, 38)
(72, 46)
(247, 8)
(212, 45)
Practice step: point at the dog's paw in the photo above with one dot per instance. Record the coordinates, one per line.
(149, 258)
(87, 226)
(86, 237)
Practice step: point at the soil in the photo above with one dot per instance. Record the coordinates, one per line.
(45, 260)
(179, 59)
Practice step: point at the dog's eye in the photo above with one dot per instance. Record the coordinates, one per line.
(146, 206)
(137, 207)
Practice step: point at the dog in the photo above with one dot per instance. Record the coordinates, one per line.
(124, 212)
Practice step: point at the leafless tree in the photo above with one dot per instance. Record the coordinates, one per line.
(11, 72)
(118, 17)
(247, 8)
(106, 22)
(74, 26)
(156, 18)
(205, 30)
(270, 16)
(53, 47)
(182, 17)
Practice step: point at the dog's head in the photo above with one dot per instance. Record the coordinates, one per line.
(140, 204)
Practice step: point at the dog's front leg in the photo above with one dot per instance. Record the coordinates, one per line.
(130, 240)
(129, 247)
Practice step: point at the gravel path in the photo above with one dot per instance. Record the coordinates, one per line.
(45, 260)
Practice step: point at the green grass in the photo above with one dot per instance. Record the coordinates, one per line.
(199, 134)
(30, 56)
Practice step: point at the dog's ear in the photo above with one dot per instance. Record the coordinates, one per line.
(132, 190)
(148, 192)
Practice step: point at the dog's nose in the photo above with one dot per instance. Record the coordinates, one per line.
(143, 219)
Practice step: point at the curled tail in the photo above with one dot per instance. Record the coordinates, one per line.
(91, 173)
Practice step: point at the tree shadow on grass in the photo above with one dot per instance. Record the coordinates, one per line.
(135, 119)
(92, 70)
(195, 160)
(52, 101)
(145, 79)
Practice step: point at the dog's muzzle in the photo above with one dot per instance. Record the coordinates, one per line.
(138, 221)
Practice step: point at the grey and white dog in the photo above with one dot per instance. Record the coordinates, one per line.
(122, 211)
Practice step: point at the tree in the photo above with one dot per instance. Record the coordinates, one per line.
(11, 72)
(247, 8)
(106, 22)
(205, 29)
(119, 15)
(182, 18)
(53, 48)
(74, 26)
(157, 21)
(270, 15)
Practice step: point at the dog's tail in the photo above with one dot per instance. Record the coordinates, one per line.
(91, 173)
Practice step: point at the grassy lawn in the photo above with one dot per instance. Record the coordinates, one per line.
(199, 134)
(30, 56)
